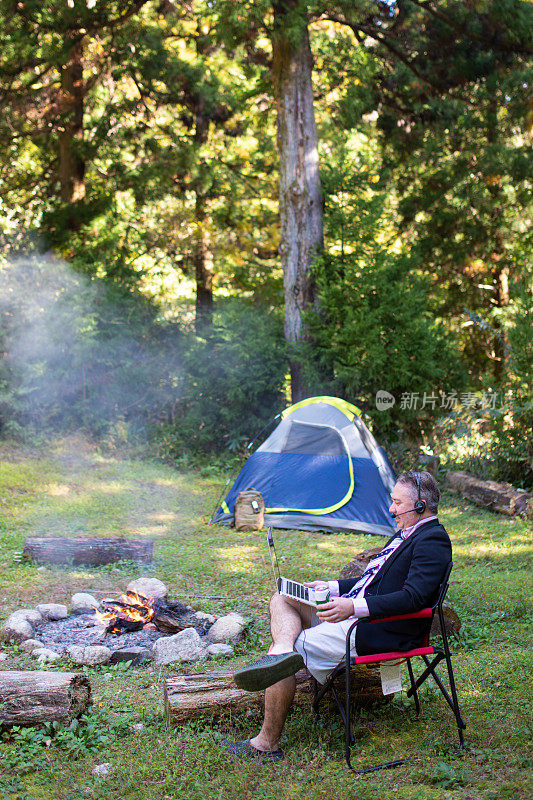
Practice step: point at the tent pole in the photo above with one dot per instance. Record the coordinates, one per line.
(240, 465)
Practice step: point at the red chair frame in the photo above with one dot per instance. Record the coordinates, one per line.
(438, 655)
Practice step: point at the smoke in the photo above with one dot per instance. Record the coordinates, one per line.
(79, 355)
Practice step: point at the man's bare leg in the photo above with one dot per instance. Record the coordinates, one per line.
(287, 619)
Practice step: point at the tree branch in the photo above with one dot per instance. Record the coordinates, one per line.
(359, 28)
(426, 6)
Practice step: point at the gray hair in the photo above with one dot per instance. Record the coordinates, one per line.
(429, 491)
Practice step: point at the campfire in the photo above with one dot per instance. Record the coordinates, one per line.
(132, 612)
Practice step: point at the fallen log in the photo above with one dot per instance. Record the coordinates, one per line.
(90, 551)
(213, 694)
(452, 622)
(500, 497)
(33, 698)
(356, 567)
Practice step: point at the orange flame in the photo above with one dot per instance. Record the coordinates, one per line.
(131, 606)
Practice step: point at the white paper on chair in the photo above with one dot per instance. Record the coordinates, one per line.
(391, 679)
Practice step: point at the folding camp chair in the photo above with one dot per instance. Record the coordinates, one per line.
(377, 658)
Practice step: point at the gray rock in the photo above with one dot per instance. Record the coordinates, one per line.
(148, 587)
(44, 654)
(31, 615)
(30, 645)
(228, 628)
(19, 625)
(134, 654)
(203, 615)
(81, 601)
(183, 646)
(101, 770)
(17, 630)
(3, 656)
(52, 610)
(94, 654)
(220, 649)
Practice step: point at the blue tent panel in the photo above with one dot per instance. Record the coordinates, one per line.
(294, 481)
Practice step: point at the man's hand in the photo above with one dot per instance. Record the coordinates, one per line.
(317, 584)
(335, 610)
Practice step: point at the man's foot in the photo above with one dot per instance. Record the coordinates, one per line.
(267, 670)
(245, 749)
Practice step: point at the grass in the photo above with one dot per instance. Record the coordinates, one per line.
(72, 489)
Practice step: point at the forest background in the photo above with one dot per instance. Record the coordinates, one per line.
(210, 208)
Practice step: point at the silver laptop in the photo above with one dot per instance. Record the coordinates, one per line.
(286, 587)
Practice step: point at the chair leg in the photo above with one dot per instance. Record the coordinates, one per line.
(461, 725)
(452, 701)
(413, 687)
(348, 738)
(458, 718)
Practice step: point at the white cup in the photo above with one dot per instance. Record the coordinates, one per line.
(321, 595)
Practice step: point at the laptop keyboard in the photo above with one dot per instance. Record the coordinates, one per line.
(297, 590)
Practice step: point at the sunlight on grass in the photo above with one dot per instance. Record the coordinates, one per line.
(218, 569)
(58, 490)
(163, 516)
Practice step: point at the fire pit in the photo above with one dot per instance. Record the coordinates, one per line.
(132, 627)
(130, 621)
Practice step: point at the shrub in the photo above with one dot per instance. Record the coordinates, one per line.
(375, 331)
(233, 382)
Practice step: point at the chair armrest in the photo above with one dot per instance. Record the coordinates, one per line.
(425, 613)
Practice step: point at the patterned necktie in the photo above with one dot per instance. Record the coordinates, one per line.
(375, 565)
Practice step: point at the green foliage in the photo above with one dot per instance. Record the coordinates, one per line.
(455, 131)
(233, 384)
(82, 356)
(425, 151)
(373, 326)
(93, 730)
(446, 775)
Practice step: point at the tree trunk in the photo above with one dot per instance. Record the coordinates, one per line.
(499, 258)
(71, 161)
(211, 694)
(33, 698)
(202, 254)
(93, 552)
(203, 264)
(300, 197)
(500, 497)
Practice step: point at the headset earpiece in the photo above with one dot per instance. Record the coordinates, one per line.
(420, 505)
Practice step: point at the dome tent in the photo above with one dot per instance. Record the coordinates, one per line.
(320, 469)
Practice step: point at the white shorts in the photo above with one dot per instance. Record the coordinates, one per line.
(323, 646)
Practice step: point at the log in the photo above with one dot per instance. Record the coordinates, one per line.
(500, 497)
(452, 622)
(357, 566)
(90, 551)
(213, 694)
(169, 621)
(33, 698)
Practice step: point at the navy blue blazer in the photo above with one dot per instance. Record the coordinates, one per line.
(408, 581)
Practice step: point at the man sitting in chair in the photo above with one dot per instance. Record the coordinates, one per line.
(403, 578)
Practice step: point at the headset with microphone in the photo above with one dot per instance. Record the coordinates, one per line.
(420, 505)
